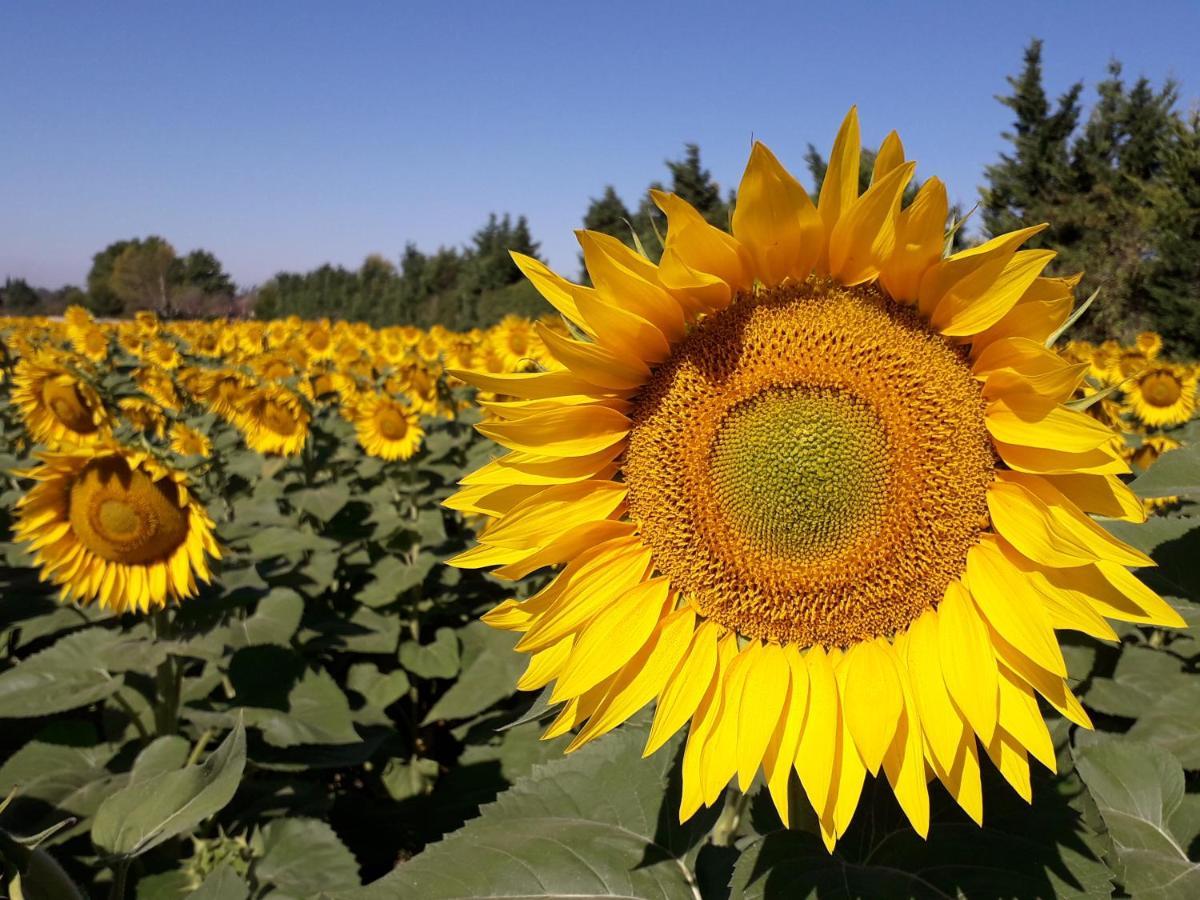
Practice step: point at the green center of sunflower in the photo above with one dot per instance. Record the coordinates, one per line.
(800, 472)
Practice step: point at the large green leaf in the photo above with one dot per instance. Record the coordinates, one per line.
(302, 857)
(490, 669)
(275, 620)
(1043, 850)
(1137, 788)
(1142, 676)
(1174, 474)
(148, 812)
(1172, 721)
(600, 823)
(69, 674)
(393, 576)
(318, 713)
(438, 659)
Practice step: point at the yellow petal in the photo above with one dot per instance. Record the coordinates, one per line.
(610, 639)
(865, 235)
(1010, 758)
(764, 693)
(775, 221)
(624, 332)
(564, 548)
(685, 686)
(545, 665)
(920, 235)
(1102, 495)
(642, 677)
(968, 664)
(594, 364)
(627, 283)
(555, 511)
(701, 246)
(839, 190)
(560, 293)
(1012, 606)
(1021, 718)
(817, 750)
(1040, 460)
(718, 759)
(890, 155)
(780, 756)
(533, 385)
(904, 763)
(941, 722)
(968, 273)
(872, 699)
(1016, 420)
(1037, 519)
(570, 431)
(960, 313)
(1115, 592)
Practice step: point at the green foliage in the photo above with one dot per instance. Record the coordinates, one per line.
(17, 297)
(1118, 189)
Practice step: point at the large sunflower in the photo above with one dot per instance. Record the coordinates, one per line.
(117, 527)
(59, 407)
(813, 488)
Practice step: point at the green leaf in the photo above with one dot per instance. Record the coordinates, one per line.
(222, 884)
(1044, 850)
(409, 778)
(1137, 788)
(378, 691)
(318, 713)
(490, 669)
(274, 621)
(322, 503)
(146, 813)
(1174, 474)
(286, 541)
(66, 675)
(164, 754)
(1172, 722)
(393, 578)
(600, 823)
(436, 660)
(304, 856)
(1141, 678)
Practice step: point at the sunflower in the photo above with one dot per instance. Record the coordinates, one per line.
(143, 415)
(274, 420)
(1149, 343)
(187, 441)
(117, 527)
(59, 407)
(813, 488)
(515, 343)
(1163, 395)
(386, 427)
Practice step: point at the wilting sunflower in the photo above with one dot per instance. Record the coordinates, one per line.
(59, 407)
(1163, 395)
(386, 427)
(274, 420)
(117, 527)
(813, 488)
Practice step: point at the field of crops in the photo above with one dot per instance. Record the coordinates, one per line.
(301, 697)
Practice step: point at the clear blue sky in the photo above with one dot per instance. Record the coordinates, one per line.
(284, 135)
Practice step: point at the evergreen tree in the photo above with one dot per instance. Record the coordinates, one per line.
(694, 183)
(1173, 283)
(202, 271)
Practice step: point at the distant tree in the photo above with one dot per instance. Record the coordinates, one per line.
(17, 296)
(1098, 182)
(608, 214)
(141, 275)
(102, 298)
(1173, 282)
(694, 183)
(201, 270)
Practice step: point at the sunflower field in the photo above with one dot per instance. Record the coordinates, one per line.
(796, 563)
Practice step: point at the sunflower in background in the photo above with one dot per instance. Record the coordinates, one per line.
(58, 406)
(115, 527)
(187, 441)
(274, 421)
(386, 427)
(1163, 395)
(814, 489)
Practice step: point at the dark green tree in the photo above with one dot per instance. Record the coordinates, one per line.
(17, 296)
(694, 183)
(202, 271)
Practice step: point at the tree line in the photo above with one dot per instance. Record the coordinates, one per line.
(1119, 185)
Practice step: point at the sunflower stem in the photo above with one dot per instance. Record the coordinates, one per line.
(120, 871)
(726, 829)
(168, 680)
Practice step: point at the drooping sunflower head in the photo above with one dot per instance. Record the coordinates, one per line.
(59, 407)
(1163, 395)
(115, 527)
(386, 427)
(814, 489)
(274, 420)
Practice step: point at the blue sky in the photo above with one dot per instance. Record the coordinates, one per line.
(281, 136)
